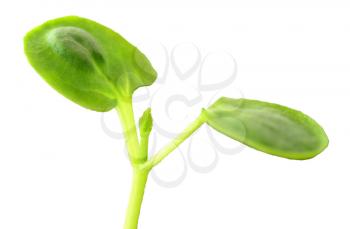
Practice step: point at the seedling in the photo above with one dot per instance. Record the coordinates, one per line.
(98, 69)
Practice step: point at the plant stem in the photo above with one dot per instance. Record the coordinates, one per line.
(138, 157)
(165, 151)
(126, 115)
(144, 147)
(136, 197)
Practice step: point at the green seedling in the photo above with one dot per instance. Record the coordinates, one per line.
(98, 69)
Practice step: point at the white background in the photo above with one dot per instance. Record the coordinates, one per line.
(59, 169)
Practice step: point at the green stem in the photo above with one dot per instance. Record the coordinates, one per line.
(136, 197)
(155, 160)
(126, 115)
(136, 155)
(144, 147)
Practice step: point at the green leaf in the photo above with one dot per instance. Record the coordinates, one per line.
(87, 62)
(146, 123)
(268, 127)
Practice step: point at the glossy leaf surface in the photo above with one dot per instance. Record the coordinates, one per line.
(87, 62)
(268, 127)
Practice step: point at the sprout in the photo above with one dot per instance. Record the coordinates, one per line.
(98, 69)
